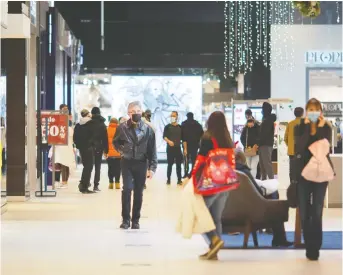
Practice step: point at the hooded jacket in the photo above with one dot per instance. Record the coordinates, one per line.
(83, 134)
(100, 139)
(267, 126)
(250, 136)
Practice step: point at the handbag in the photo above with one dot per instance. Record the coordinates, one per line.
(215, 173)
(248, 151)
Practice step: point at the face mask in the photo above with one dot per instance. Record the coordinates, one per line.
(173, 119)
(136, 117)
(313, 116)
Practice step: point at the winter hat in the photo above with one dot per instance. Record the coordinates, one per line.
(267, 108)
(95, 111)
(84, 113)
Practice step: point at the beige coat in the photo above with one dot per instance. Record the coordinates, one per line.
(195, 218)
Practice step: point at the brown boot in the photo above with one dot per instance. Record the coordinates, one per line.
(117, 185)
(110, 186)
(216, 245)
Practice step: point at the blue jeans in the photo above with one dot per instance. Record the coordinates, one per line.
(311, 202)
(216, 205)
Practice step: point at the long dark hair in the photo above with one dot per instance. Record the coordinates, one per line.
(217, 128)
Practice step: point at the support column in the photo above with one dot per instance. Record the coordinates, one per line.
(31, 114)
(69, 83)
(15, 64)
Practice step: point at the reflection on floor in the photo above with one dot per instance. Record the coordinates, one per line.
(78, 234)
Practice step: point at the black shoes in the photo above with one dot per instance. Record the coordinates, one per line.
(135, 225)
(312, 255)
(96, 189)
(84, 191)
(284, 243)
(125, 225)
(179, 182)
(168, 182)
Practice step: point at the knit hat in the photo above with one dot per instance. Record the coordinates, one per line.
(95, 111)
(84, 113)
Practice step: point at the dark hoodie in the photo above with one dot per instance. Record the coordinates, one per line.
(99, 133)
(267, 126)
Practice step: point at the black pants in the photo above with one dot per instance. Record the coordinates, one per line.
(3, 157)
(114, 169)
(97, 163)
(174, 155)
(192, 152)
(311, 197)
(87, 157)
(134, 177)
(292, 168)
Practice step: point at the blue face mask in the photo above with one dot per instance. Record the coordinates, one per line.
(313, 116)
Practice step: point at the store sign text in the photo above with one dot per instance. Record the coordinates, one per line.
(324, 58)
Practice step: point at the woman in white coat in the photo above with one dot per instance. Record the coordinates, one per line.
(65, 157)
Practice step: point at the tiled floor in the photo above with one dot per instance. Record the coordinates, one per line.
(76, 234)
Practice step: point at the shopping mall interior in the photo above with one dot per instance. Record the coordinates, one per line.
(60, 59)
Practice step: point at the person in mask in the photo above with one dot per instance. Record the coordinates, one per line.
(266, 141)
(136, 143)
(311, 194)
(146, 118)
(172, 134)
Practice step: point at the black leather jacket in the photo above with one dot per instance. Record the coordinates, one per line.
(131, 146)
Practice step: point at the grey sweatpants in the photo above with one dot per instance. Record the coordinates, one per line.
(266, 167)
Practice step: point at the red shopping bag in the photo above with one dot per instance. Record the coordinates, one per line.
(215, 173)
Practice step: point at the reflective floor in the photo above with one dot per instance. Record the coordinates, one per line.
(78, 234)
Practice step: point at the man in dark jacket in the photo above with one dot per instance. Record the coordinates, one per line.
(135, 141)
(83, 139)
(266, 141)
(100, 143)
(191, 134)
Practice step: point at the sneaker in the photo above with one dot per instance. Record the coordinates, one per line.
(110, 186)
(125, 225)
(135, 225)
(117, 185)
(168, 182)
(205, 257)
(96, 189)
(87, 191)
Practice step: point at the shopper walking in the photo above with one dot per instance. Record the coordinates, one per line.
(216, 129)
(290, 142)
(83, 139)
(192, 132)
(311, 194)
(172, 134)
(137, 145)
(266, 141)
(250, 139)
(113, 157)
(100, 142)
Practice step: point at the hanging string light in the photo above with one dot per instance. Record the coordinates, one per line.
(232, 36)
(226, 39)
(258, 34)
(265, 34)
(337, 11)
(250, 36)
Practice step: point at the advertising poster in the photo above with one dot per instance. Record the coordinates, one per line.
(160, 94)
(239, 121)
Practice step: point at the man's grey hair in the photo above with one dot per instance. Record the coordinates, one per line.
(134, 104)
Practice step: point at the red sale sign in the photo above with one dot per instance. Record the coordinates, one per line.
(54, 128)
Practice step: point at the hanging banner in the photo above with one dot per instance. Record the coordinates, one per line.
(54, 128)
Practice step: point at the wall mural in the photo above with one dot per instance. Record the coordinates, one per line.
(160, 94)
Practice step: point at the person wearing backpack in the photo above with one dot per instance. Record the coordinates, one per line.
(311, 193)
(216, 136)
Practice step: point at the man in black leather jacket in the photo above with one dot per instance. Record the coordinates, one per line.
(135, 140)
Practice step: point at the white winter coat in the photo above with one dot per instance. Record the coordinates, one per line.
(195, 218)
(64, 154)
